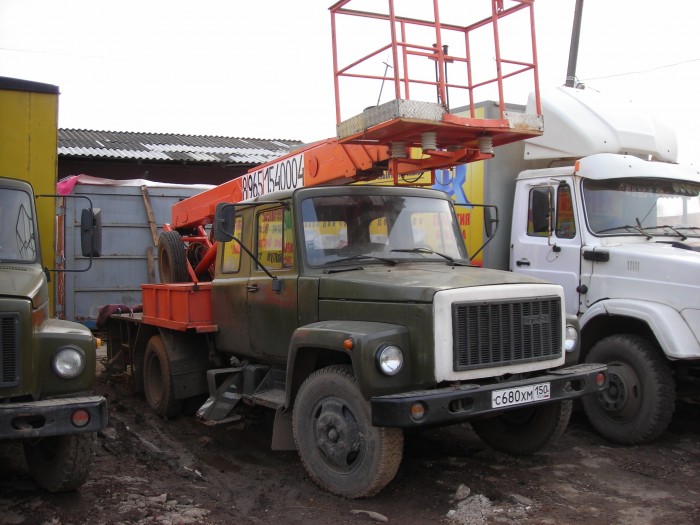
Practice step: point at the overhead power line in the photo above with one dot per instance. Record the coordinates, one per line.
(645, 70)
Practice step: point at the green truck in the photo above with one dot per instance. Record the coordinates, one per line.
(350, 308)
(47, 366)
(354, 313)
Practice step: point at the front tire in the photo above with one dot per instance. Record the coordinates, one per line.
(524, 431)
(158, 385)
(638, 404)
(340, 449)
(60, 463)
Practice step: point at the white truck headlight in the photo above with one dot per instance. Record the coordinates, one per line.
(571, 338)
(389, 359)
(68, 362)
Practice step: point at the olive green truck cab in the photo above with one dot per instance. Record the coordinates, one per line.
(353, 312)
(47, 366)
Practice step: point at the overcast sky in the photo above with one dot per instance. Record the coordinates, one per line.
(262, 68)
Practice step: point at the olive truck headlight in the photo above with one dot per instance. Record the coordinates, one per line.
(389, 359)
(68, 362)
(571, 338)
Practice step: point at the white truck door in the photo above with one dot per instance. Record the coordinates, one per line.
(545, 237)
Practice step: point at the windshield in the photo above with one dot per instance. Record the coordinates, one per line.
(649, 207)
(385, 229)
(17, 233)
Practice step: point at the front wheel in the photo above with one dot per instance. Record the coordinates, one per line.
(638, 404)
(524, 431)
(60, 463)
(340, 449)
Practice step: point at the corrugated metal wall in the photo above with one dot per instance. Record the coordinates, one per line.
(127, 238)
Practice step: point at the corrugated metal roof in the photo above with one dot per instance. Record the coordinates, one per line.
(170, 147)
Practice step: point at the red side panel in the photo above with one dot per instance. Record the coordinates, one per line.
(178, 306)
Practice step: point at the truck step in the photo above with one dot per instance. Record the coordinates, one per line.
(222, 400)
(272, 398)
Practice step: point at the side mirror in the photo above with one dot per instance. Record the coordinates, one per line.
(224, 222)
(490, 222)
(91, 232)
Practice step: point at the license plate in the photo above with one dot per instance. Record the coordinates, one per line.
(519, 395)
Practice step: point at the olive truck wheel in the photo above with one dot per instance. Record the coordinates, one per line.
(172, 259)
(340, 449)
(158, 380)
(60, 463)
(638, 404)
(524, 431)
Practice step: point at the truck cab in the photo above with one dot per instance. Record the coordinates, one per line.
(48, 365)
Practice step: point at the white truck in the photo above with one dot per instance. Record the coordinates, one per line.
(599, 205)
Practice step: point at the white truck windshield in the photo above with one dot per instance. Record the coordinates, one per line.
(635, 206)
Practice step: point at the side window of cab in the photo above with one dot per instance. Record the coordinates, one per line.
(539, 211)
(275, 238)
(231, 259)
(566, 224)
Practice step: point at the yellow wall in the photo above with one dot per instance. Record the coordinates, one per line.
(28, 151)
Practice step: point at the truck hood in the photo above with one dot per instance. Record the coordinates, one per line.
(666, 271)
(410, 282)
(25, 281)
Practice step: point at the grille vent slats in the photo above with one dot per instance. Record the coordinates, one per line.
(507, 332)
(9, 350)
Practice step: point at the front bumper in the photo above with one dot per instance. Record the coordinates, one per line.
(52, 417)
(466, 401)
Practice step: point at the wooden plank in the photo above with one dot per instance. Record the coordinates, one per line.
(151, 266)
(149, 213)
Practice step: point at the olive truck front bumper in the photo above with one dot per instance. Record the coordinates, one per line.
(462, 402)
(52, 417)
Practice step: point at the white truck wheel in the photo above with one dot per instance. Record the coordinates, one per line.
(638, 404)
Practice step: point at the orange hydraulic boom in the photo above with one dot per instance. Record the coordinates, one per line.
(399, 137)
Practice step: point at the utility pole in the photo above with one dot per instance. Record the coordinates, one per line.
(573, 50)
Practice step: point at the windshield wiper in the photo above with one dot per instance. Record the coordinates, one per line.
(428, 251)
(361, 257)
(693, 228)
(627, 227)
(672, 228)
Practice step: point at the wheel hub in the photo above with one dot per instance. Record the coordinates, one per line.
(621, 399)
(337, 434)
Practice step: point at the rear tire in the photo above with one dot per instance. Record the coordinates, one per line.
(638, 404)
(340, 448)
(524, 431)
(172, 259)
(60, 463)
(158, 380)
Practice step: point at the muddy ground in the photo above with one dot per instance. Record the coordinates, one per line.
(150, 471)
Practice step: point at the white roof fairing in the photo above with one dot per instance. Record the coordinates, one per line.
(582, 122)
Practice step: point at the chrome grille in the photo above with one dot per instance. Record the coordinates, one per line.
(9, 350)
(505, 332)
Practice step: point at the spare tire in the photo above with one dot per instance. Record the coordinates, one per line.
(172, 260)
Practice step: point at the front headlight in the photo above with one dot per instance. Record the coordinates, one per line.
(571, 338)
(68, 362)
(389, 359)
